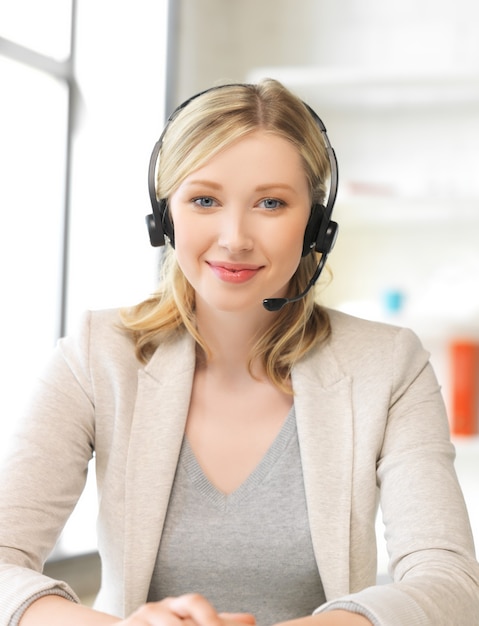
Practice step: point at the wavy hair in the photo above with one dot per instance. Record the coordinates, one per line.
(209, 123)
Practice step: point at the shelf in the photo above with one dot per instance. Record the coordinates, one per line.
(376, 88)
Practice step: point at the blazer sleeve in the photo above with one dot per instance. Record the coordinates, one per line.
(43, 477)
(432, 564)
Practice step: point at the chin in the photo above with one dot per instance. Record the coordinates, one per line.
(234, 304)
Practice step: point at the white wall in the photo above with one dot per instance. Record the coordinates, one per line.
(222, 41)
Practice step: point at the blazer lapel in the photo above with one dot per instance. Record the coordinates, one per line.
(325, 430)
(324, 421)
(164, 389)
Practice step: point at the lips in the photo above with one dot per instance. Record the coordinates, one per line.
(233, 272)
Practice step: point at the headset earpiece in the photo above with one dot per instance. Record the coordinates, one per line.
(157, 237)
(312, 228)
(166, 223)
(159, 224)
(320, 234)
(327, 240)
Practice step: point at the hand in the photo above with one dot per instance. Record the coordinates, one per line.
(186, 610)
(330, 618)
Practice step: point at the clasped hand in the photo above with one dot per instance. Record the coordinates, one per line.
(187, 610)
(194, 610)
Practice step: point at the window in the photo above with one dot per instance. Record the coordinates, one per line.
(33, 128)
(81, 108)
(42, 27)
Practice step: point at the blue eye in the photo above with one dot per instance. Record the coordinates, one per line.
(271, 203)
(204, 201)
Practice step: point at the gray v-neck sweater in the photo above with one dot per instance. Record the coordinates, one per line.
(249, 551)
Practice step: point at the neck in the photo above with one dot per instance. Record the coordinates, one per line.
(230, 337)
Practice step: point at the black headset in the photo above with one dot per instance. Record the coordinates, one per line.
(321, 231)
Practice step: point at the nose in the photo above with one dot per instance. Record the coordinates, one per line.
(235, 232)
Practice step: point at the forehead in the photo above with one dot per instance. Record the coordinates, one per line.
(265, 152)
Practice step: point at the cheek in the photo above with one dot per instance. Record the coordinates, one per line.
(191, 240)
(184, 248)
(180, 226)
(192, 232)
(285, 255)
(290, 241)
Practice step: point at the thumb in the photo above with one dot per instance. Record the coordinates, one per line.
(244, 618)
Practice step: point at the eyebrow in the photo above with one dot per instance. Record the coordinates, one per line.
(214, 185)
(203, 183)
(274, 186)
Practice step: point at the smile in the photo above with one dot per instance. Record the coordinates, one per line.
(233, 273)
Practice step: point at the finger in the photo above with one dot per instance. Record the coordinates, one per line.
(142, 617)
(244, 618)
(195, 607)
(155, 614)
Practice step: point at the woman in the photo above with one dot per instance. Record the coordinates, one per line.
(241, 445)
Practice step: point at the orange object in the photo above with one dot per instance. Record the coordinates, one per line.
(464, 356)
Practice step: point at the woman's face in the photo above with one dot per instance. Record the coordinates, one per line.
(239, 222)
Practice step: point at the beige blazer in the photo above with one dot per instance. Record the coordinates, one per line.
(370, 421)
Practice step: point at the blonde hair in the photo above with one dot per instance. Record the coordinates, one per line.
(206, 125)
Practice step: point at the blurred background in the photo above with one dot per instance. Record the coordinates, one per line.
(85, 89)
